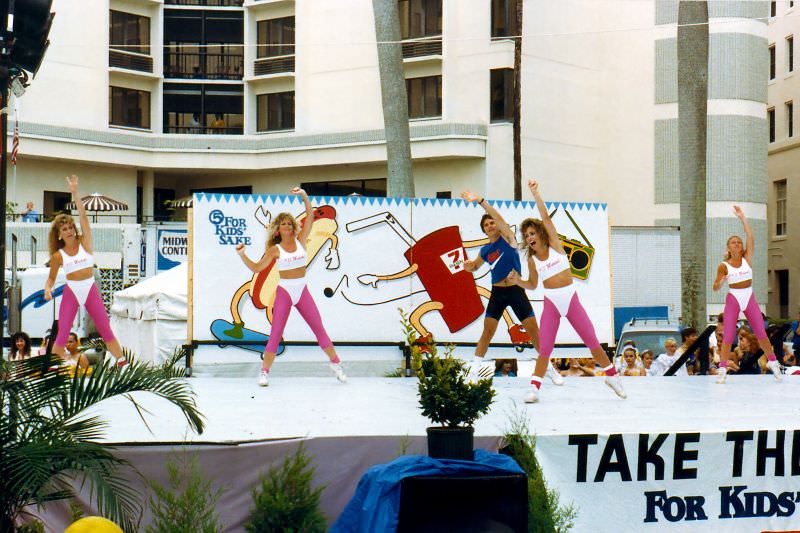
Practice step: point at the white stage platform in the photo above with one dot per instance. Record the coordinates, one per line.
(350, 427)
(238, 410)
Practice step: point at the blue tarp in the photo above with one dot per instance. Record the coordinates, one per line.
(376, 503)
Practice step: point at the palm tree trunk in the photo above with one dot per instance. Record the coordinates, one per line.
(692, 128)
(517, 127)
(400, 179)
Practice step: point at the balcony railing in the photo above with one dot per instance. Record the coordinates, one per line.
(203, 66)
(210, 3)
(126, 60)
(423, 48)
(201, 130)
(273, 65)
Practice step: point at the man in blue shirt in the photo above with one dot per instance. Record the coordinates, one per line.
(30, 214)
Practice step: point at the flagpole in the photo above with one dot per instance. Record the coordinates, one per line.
(15, 148)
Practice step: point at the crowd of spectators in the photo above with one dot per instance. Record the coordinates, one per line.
(76, 359)
(747, 356)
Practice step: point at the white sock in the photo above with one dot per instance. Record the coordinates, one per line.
(477, 358)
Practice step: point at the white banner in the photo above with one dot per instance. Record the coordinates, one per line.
(734, 481)
(370, 256)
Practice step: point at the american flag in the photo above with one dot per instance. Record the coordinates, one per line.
(15, 146)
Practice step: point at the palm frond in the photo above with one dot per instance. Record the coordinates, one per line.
(107, 381)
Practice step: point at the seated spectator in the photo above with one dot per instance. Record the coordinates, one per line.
(45, 342)
(505, 368)
(580, 367)
(664, 361)
(631, 364)
(73, 358)
(647, 361)
(790, 365)
(20, 346)
(748, 354)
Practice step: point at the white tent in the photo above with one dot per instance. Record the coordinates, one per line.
(150, 317)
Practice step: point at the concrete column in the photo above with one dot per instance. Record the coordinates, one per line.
(148, 180)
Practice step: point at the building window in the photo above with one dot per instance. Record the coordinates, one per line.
(780, 207)
(790, 118)
(129, 32)
(55, 202)
(444, 194)
(791, 4)
(790, 53)
(374, 187)
(504, 18)
(771, 122)
(772, 62)
(129, 107)
(275, 37)
(502, 94)
(420, 18)
(275, 111)
(773, 9)
(424, 97)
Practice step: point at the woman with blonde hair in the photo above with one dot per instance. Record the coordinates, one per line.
(736, 269)
(286, 246)
(73, 251)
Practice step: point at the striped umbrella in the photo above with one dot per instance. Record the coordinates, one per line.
(186, 201)
(97, 202)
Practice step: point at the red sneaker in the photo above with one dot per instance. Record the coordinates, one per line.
(519, 334)
(424, 343)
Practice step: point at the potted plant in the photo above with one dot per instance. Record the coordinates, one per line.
(447, 397)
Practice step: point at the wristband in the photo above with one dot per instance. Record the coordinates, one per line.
(481, 201)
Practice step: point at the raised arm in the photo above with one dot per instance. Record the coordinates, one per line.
(750, 243)
(86, 229)
(499, 221)
(306, 231)
(552, 234)
(269, 256)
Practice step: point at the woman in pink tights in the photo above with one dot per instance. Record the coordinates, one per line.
(736, 269)
(73, 251)
(548, 261)
(286, 246)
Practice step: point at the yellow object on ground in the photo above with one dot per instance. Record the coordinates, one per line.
(93, 524)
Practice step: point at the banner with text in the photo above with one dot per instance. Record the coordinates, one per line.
(733, 481)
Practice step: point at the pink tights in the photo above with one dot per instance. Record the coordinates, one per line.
(69, 308)
(752, 312)
(551, 318)
(308, 310)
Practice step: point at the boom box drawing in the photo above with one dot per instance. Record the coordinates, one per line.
(579, 254)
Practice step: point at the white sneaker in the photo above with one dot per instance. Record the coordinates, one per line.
(775, 367)
(616, 385)
(479, 370)
(722, 373)
(554, 375)
(338, 371)
(263, 379)
(532, 396)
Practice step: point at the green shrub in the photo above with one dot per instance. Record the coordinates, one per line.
(285, 501)
(545, 514)
(34, 526)
(188, 503)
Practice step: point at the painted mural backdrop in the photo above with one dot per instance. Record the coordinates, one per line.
(367, 257)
